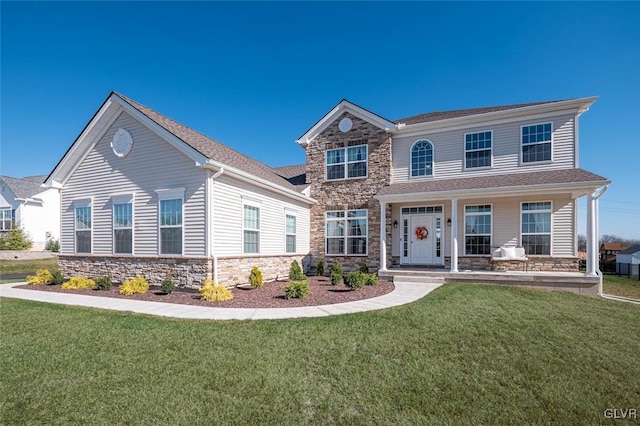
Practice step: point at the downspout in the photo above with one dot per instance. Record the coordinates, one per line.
(595, 196)
(211, 220)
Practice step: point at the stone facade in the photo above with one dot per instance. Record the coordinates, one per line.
(349, 194)
(235, 270)
(186, 272)
(534, 264)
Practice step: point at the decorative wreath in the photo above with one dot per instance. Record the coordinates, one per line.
(422, 233)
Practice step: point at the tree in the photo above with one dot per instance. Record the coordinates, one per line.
(582, 243)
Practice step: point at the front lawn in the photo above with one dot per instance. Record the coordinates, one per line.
(465, 354)
(621, 286)
(27, 266)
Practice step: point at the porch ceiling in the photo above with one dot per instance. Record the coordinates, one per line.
(576, 181)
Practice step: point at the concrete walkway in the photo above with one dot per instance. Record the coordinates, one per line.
(402, 294)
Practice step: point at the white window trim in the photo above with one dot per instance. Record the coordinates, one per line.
(464, 225)
(476, 150)
(433, 160)
(286, 234)
(346, 232)
(86, 202)
(10, 209)
(529, 163)
(256, 204)
(170, 194)
(346, 163)
(123, 199)
(539, 233)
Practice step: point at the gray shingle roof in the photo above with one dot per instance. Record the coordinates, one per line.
(631, 250)
(25, 187)
(211, 148)
(296, 174)
(550, 177)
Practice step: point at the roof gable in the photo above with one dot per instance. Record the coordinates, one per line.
(23, 188)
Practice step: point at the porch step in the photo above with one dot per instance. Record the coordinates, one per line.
(423, 279)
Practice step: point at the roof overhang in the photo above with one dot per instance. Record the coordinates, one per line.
(337, 111)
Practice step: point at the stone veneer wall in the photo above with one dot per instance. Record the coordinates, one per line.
(187, 272)
(349, 194)
(535, 263)
(236, 270)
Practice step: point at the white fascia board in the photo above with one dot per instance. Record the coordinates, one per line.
(577, 190)
(331, 116)
(534, 112)
(246, 177)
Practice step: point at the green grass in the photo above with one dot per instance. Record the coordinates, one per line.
(27, 266)
(621, 286)
(466, 354)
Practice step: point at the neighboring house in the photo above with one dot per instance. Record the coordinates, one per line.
(143, 194)
(25, 202)
(608, 252)
(628, 261)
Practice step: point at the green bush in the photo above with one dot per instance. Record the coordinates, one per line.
(79, 283)
(137, 285)
(103, 283)
(16, 239)
(167, 286)
(42, 276)
(52, 245)
(364, 268)
(295, 271)
(335, 273)
(56, 277)
(213, 292)
(372, 279)
(255, 277)
(355, 280)
(296, 290)
(320, 268)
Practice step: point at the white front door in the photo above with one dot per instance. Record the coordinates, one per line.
(422, 238)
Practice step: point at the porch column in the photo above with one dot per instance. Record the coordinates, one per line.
(454, 235)
(592, 236)
(383, 236)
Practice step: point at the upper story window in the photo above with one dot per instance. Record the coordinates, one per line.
(347, 163)
(346, 232)
(82, 213)
(123, 225)
(6, 218)
(477, 149)
(536, 142)
(422, 158)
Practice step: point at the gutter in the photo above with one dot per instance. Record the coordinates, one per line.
(211, 235)
(596, 195)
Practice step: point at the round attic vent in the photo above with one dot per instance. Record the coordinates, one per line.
(345, 125)
(121, 143)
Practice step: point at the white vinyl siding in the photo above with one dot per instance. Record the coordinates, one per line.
(449, 150)
(152, 164)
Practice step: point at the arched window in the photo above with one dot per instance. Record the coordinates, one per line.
(422, 158)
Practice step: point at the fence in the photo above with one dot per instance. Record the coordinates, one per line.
(627, 269)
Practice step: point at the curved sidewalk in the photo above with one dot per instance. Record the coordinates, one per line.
(402, 294)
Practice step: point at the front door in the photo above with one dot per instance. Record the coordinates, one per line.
(421, 239)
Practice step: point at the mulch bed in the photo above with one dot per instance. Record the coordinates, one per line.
(271, 295)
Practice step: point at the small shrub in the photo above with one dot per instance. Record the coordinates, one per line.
(56, 277)
(103, 283)
(167, 286)
(297, 290)
(213, 292)
(79, 283)
(320, 268)
(52, 245)
(364, 268)
(137, 285)
(372, 279)
(42, 276)
(16, 239)
(255, 277)
(295, 271)
(335, 273)
(355, 280)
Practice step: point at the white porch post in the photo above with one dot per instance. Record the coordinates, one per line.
(592, 236)
(454, 235)
(383, 236)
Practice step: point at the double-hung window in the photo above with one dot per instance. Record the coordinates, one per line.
(6, 219)
(290, 232)
(83, 221)
(536, 142)
(347, 163)
(536, 228)
(171, 220)
(346, 232)
(251, 228)
(477, 229)
(123, 225)
(477, 149)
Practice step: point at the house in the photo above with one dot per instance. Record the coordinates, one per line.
(25, 202)
(608, 252)
(628, 261)
(143, 194)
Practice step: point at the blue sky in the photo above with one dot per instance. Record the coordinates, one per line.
(255, 76)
